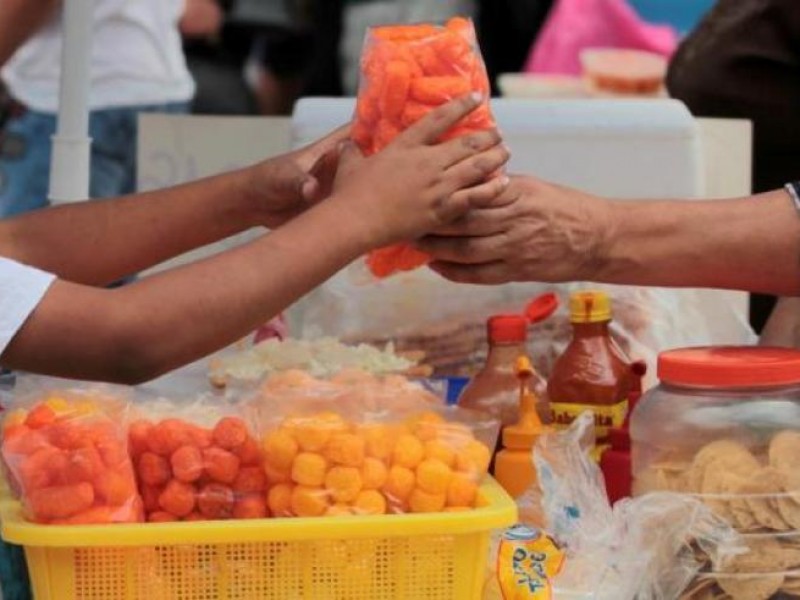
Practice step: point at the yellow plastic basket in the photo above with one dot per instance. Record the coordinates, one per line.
(397, 557)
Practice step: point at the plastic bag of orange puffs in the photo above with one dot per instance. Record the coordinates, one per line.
(64, 448)
(357, 444)
(407, 71)
(196, 459)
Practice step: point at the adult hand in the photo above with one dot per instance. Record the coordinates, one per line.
(283, 187)
(534, 231)
(201, 19)
(417, 185)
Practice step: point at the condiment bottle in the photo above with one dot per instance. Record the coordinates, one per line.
(513, 467)
(495, 388)
(592, 373)
(616, 463)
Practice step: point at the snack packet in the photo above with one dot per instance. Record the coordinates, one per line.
(407, 71)
(358, 444)
(65, 449)
(197, 461)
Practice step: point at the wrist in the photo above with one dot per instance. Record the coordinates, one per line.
(249, 195)
(608, 258)
(356, 222)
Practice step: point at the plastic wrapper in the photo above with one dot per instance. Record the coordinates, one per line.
(420, 312)
(65, 449)
(197, 461)
(648, 548)
(407, 71)
(358, 445)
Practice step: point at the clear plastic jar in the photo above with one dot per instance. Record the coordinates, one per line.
(724, 425)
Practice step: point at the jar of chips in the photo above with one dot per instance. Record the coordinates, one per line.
(724, 425)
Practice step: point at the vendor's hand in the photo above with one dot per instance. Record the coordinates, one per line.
(416, 185)
(201, 19)
(285, 186)
(535, 231)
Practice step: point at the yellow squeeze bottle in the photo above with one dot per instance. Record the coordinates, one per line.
(514, 468)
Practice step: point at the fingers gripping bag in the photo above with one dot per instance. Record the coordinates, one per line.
(197, 460)
(65, 449)
(357, 444)
(407, 71)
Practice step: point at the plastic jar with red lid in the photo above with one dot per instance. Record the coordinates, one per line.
(723, 425)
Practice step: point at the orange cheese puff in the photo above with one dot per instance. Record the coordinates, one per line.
(83, 464)
(427, 425)
(308, 501)
(479, 119)
(435, 449)
(35, 471)
(346, 449)
(385, 132)
(40, 416)
(398, 33)
(250, 480)
(275, 476)
(373, 473)
(114, 488)
(169, 435)
(150, 496)
(399, 484)
(455, 51)
(433, 476)
(230, 433)
(369, 502)
(112, 450)
(216, 501)
(279, 500)
(474, 459)
(408, 452)
(280, 448)
(160, 516)
(435, 91)
(68, 435)
(309, 469)
(343, 483)
(62, 501)
(187, 463)
(153, 469)
(138, 436)
(178, 498)
(421, 501)
(380, 440)
(221, 465)
(251, 506)
(194, 516)
(23, 441)
(396, 84)
(462, 490)
(311, 435)
(96, 515)
(410, 258)
(367, 109)
(199, 436)
(249, 453)
(339, 510)
(426, 57)
(460, 25)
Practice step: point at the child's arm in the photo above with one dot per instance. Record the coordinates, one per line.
(139, 331)
(783, 326)
(98, 242)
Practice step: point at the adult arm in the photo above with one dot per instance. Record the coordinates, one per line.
(96, 243)
(20, 20)
(541, 232)
(151, 326)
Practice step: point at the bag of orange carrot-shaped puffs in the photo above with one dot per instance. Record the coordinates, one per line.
(407, 71)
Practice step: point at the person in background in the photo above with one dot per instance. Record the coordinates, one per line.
(743, 61)
(136, 65)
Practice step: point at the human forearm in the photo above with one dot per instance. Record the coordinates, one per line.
(161, 322)
(19, 20)
(95, 243)
(749, 244)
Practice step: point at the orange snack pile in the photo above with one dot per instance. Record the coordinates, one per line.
(407, 71)
(326, 465)
(190, 473)
(69, 462)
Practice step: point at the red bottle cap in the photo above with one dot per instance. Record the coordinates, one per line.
(508, 329)
(730, 367)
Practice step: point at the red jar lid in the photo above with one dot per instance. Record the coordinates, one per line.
(508, 329)
(729, 366)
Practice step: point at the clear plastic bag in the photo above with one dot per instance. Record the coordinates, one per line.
(359, 444)
(65, 450)
(407, 71)
(644, 548)
(197, 461)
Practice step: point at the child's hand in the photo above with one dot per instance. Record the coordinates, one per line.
(414, 185)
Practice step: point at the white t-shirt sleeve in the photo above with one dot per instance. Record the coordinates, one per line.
(21, 289)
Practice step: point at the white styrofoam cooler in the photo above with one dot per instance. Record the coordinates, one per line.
(620, 148)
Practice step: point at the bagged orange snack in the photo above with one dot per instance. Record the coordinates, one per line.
(363, 445)
(66, 451)
(195, 462)
(407, 71)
